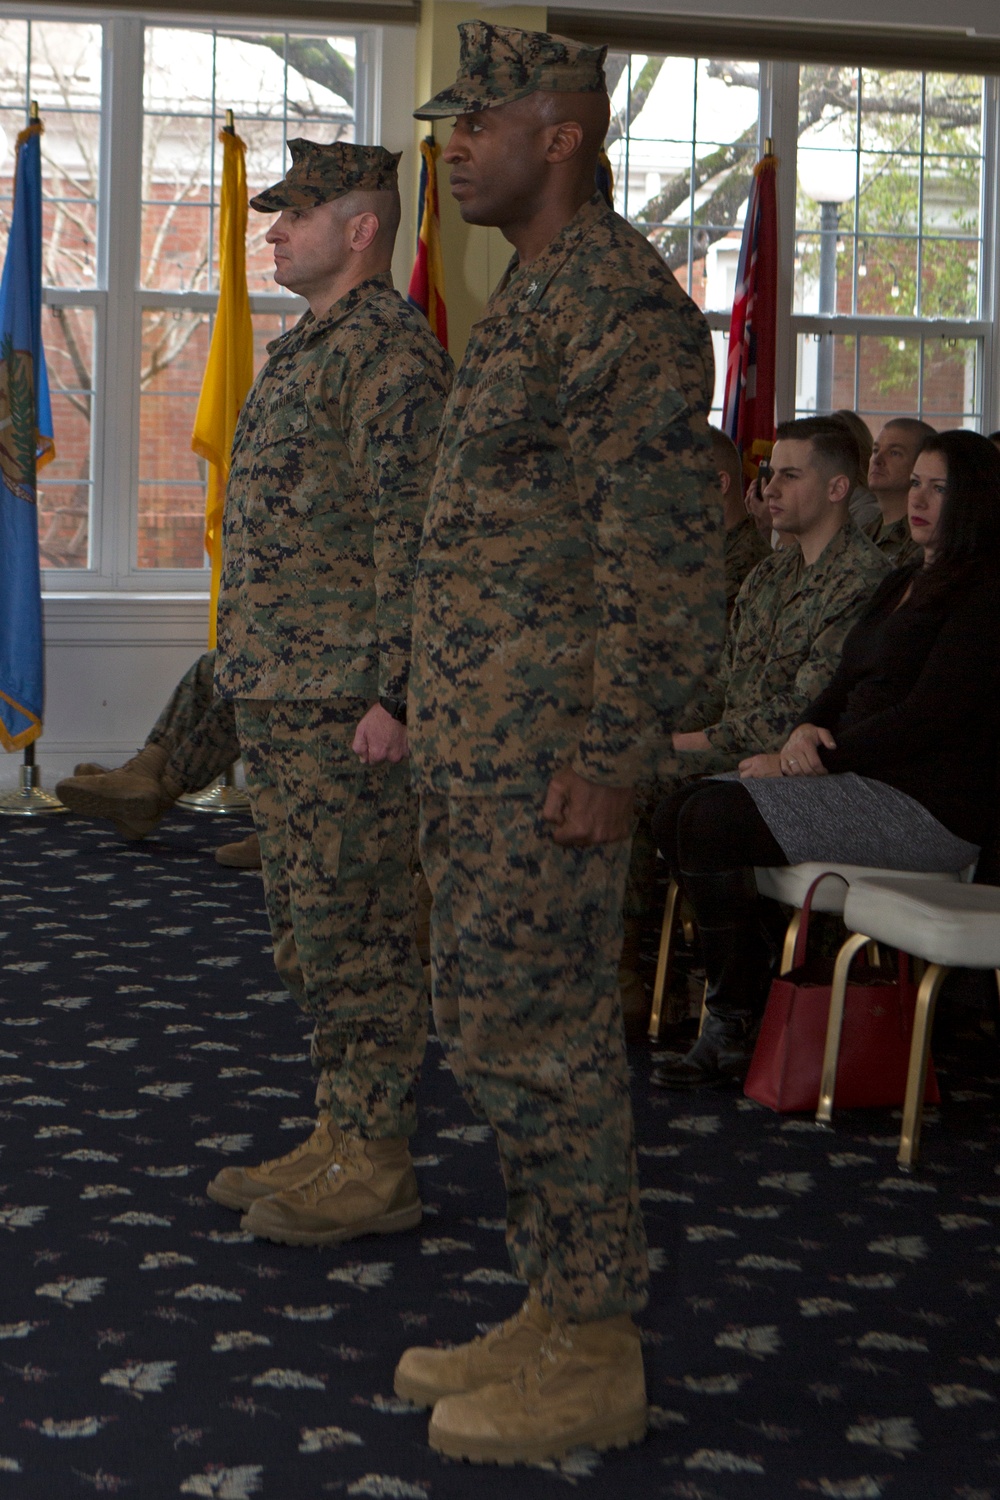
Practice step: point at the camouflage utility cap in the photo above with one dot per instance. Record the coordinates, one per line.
(499, 64)
(320, 173)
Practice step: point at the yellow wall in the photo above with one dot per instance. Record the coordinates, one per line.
(474, 258)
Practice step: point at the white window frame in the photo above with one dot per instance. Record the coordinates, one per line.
(118, 301)
(778, 121)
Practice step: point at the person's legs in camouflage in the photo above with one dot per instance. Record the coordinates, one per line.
(529, 951)
(335, 843)
(197, 729)
(525, 940)
(192, 742)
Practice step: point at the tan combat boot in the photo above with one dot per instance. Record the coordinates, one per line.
(584, 1388)
(239, 1187)
(243, 854)
(135, 797)
(369, 1187)
(424, 1375)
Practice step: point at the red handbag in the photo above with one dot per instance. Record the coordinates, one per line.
(787, 1062)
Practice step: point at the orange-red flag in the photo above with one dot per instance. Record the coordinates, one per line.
(427, 281)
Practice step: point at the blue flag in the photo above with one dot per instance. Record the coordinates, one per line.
(25, 444)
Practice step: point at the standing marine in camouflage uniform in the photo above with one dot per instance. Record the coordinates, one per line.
(893, 455)
(568, 598)
(328, 485)
(192, 742)
(782, 649)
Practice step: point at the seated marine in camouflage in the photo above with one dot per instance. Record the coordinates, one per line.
(784, 640)
(191, 744)
(745, 545)
(893, 455)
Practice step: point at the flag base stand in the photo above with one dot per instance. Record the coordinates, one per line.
(223, 796)
(29, 800)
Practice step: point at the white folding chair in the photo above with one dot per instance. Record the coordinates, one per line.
(946, 923)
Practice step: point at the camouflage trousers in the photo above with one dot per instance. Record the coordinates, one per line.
(525, 938)
(197, 729)
(336, 839)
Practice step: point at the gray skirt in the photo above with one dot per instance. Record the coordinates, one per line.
(853, 820)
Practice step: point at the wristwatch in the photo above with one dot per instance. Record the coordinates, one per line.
(396, 707)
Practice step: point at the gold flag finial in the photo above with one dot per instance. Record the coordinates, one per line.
(230, 124)
(34, 115)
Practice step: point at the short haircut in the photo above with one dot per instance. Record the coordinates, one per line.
(917, 431)
(862, 436)
(725, 456)
(833, 444)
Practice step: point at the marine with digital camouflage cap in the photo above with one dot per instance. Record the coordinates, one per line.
(569, 596)
(330, 473)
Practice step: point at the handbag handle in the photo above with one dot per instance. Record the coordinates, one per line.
(802, 936)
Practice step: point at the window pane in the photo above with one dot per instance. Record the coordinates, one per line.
(682, 144)
(64, 485)
(171, 477)
(825, 373)
(277, 86)
(891, 163)
(951, 382)
(59, 64)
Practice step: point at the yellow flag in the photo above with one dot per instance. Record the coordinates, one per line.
(229, 370)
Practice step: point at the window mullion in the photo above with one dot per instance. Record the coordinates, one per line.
(782, 121)
(121, 193)
(989, 258)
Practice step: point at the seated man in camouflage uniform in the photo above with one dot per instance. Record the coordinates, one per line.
(331, 469)
(893, 456)
(784, 639)
(745, 545)
(786, 635)
(192, 742)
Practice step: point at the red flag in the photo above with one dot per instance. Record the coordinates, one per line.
(749, 401)
(427, 280)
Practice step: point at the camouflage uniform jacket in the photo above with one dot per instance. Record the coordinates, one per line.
(894, 540)
(331, 468)
(784, 641)
(569, 590)
(744, 549)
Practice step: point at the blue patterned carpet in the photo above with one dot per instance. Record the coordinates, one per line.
(820, 1325)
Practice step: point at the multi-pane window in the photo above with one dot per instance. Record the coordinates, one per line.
(890, 307)
(59, 65)
(278, 86)
(683, 143)
(889, 226)
(131, 182)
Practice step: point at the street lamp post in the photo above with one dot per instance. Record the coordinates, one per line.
(829, 228)
(827, 172)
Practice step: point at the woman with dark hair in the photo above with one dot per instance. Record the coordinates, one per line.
(895, 766)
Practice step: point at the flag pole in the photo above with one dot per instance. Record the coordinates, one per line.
(223, 796)
(28, 800)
